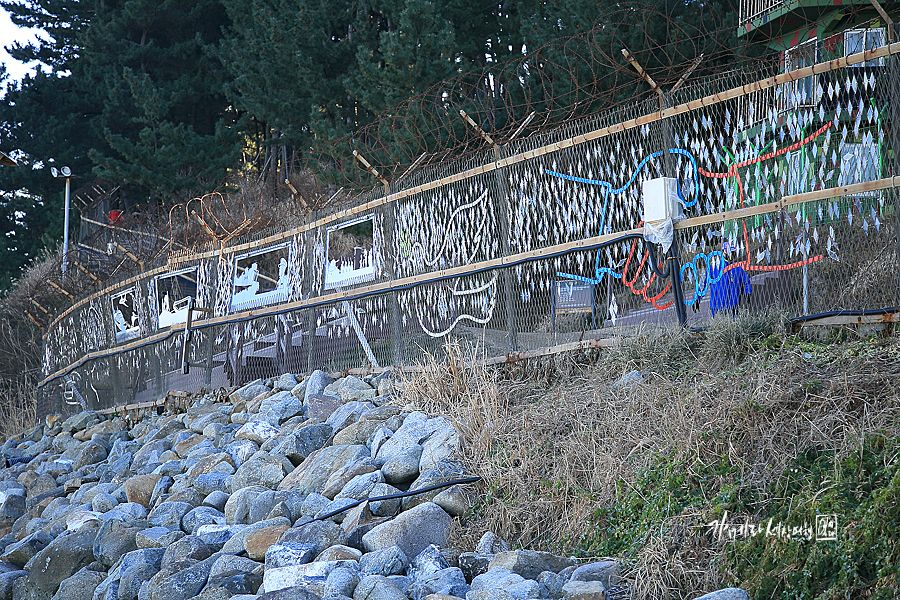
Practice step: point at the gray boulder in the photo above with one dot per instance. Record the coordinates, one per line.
(225, 563)
(62, 558)
(607, 572)
(215, 535)
(490, 544)
(494, 582)
(91, 453)
(347, 413)
(341, 582)
(427, 562)
(296, 593)
(248, 392)
(114, 540)
(285, 382)
(217, 500)
(389, 561)
(583, 590)
(79, 586)
(384, 508)
(230, 584)
(290, 553)
(284, 410)
(530, 563)
(256, 431)
(442, 444)
(361, 486)
(443, 472)
(263, 470)
(169, 514)
(241, 450)
(312, 474)
(322, 534)
(179, 580)
(188, 547)
(82, 420)
(448, 581)
(377, 587)
(453, 500)
(311, 438)
(416, 429)
(202, 515)
(7, 582)
(132, 578)
(316, 383)
(21, 552)
(311, 575)
(412, 531)
(403, 466)
(157, 537)
(12, 508)
(126, 511)
(237, 509)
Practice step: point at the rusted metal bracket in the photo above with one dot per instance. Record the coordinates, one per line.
(687, 73)
(889, 23)
(368, 166)
(481, 132)
(33, 320)
(294, 191)
(43, 310)
(84, 270)
(644, 75)
(61, 289)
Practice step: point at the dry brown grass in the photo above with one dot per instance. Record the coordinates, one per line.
(553, 449)
(18, 406)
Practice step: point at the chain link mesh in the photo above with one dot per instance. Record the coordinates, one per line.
(788, 193)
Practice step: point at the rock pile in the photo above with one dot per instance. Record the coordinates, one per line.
(232, 500)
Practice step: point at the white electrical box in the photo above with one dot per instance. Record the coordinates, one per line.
(661, 201)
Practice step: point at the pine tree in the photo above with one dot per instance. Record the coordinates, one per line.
(40, 121)
(164, 119)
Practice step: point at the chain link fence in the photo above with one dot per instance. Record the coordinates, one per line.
(788, 186)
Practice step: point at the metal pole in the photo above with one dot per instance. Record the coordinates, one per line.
(894, 66)
(805, 280)
(673, 255)
(65, 257)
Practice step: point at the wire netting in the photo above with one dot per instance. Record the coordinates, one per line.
(787, 187)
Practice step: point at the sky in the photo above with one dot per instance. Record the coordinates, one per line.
(9, 33)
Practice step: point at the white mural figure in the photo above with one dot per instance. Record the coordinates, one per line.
(351, 254)
(358, 267)
(246, 287)
(125, 316)
(170, 314)
(121, 325)
(174, 292)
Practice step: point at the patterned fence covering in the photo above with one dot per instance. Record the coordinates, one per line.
(788, 186)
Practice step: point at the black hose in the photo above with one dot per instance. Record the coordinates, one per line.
(653, 261)
(430, 488)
